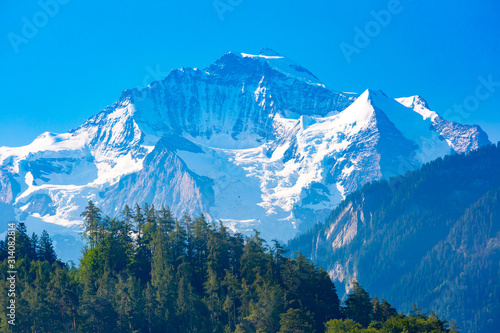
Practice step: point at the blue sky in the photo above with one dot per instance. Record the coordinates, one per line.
(79, 55)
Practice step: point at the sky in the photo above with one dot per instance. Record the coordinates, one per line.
(62, 61)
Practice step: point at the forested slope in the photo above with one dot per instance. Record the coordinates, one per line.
(431, 236)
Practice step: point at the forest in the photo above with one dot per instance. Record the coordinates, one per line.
(428, 237)
(147, 271)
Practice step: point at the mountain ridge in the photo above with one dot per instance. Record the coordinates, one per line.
(253, 131)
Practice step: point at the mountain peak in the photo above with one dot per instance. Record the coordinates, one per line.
(414, 101)
(269, 52)
(236, 61)
(285, 66)
(374, 93)
(419, 105)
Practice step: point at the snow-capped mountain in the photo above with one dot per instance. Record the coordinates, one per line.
(256, 141)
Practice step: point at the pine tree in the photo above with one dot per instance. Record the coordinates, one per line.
(24, 248)
(296, 321)
(117, 245)
(358, 306)
(61, 295)
(92, 223)
(327, 303)
(141, 262)
(265, 315)
(253, 259)
(213, 296)
(231, 285)
(127, 216)
(3, 249)
(139, 221)
(162, 280)
(186, 299)
(199, 252)
(35, 247)
(382, 310)
(150, 306)
(150, 225)
(166, 221)
(46, 249)
(178, 240)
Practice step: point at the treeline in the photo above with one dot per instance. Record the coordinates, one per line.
(150, 272)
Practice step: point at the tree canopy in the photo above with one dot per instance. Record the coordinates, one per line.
(146, 271)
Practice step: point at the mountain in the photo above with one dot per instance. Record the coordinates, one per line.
(433, 234)
(256, 141)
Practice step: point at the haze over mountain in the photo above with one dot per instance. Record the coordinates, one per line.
(256, 141)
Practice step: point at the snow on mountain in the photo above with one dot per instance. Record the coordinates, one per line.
(285, 66)
(461, 138)
(256, 141)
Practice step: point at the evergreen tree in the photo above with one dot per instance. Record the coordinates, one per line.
(253, 259)
(35, 247)
(162, 279)
(358, 306)
(139, 221)
(296, 321)
(382, 310)
(3, 250)
(166, 221)
(127, 224)
(231, 286)
(92, 223)
(265, 314)
(178, 241)
(214, 299)
(186, 299)
(327, 303)
(200, 252)
(46, 249)
(141, 261)
(24, 248)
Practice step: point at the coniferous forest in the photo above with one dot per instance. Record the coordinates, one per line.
(149, 272)
(430, 237)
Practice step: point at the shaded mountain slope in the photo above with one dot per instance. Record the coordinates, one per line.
(433, 234)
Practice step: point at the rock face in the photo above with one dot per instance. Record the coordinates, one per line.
(256, 141)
